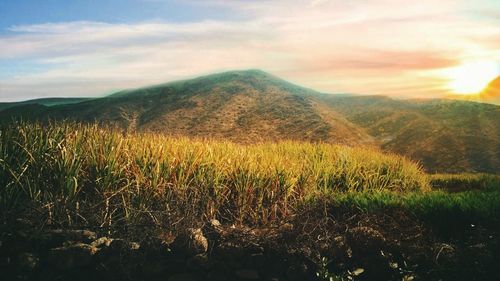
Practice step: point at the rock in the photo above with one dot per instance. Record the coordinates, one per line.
(122, 246)
(365, 240)
(191, 242)
(213, 230)
(215, 223)
(27, 261)
(247, 274)
(56, 237)
(70, 257)
(184, 277)
(101, 242)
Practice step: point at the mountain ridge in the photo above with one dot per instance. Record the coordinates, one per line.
(254, 106)
(42, 101)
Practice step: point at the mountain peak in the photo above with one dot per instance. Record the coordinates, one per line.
(228, 80)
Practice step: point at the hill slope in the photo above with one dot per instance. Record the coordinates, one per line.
(252, 106)
(444, 135)
(242, 106)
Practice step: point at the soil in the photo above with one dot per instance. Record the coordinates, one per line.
(316, 244)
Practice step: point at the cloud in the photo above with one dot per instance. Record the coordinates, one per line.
(365, 46)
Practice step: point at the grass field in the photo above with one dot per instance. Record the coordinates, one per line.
(73, 174)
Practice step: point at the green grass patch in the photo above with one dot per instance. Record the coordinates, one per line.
(464, 181)
(440, 207)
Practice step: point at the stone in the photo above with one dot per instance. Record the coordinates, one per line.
(247, 274)
(215, 223)
(70, 257)
(63, 235)
(101, 242)
(123, 246)
(191, 242)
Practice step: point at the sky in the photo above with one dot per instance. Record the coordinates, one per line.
(60, 48)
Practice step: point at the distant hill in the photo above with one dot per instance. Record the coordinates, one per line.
(45, 102)
(253, 106)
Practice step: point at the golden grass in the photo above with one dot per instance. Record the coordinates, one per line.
(62, 169)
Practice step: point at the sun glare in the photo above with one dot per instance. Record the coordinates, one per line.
(472, 77)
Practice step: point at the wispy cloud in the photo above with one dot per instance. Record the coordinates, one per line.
(368, 46)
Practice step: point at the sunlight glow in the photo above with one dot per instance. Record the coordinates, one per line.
(472, 77)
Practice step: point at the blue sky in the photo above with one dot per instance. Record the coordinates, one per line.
(15, 12)
(392, 47)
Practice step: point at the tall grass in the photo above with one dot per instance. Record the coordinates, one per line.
(70, 173)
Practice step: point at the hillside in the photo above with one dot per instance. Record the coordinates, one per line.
(245, 106)
(443, 135)
(253, 106)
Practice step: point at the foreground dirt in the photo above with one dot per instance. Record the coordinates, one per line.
(317, 244)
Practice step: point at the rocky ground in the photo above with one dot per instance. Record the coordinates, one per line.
(342, 246)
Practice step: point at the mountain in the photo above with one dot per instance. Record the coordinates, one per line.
(45, 102)
(443, 135)
(243, 106)
(252, 106)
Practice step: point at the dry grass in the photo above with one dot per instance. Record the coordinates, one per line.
(84, 174)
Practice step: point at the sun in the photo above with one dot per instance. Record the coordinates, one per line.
(472, 77)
